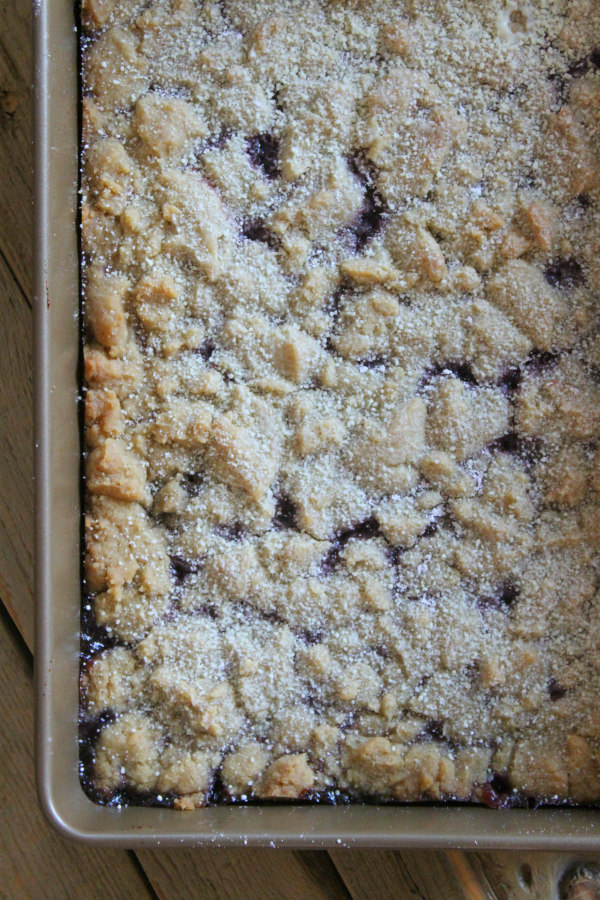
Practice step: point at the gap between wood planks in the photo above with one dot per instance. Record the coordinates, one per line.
(22, 290)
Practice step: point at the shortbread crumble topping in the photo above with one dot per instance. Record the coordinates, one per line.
(341, 272)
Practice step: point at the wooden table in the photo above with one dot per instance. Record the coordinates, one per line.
(34, 860)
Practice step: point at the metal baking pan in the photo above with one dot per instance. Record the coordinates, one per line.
(58, 567)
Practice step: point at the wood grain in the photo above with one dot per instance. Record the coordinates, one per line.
(16, 139)
(393, 875)
(243, 874)
(499, 875)
(16, 484)
(527, 876)
(35, 861)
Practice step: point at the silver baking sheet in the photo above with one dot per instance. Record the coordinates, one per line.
(58, 567)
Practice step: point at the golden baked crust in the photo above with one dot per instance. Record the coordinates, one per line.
(341, 267)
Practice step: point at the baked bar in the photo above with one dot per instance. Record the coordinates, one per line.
(341, 269)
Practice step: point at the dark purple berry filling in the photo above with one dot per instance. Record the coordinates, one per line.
(564, 274)
(555, 689)
(285, 513)
(182, 568)
(258, 230)
(263, 150)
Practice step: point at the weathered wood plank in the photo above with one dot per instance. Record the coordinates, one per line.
(16, 484)
(16, 139)
(34, 860)
(498, 875)
(243, 874)
(529, 876)
(394, 875)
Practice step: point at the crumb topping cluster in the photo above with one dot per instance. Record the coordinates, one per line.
(341, 272)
